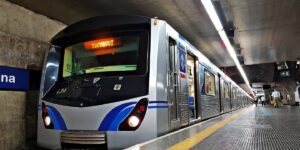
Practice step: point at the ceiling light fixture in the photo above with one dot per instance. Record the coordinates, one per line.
(219, 27)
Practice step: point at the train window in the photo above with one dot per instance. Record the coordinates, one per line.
(50, 75)
(226, 90)
(209, 80)
(234, 93)
(191, 85)
(118, 54)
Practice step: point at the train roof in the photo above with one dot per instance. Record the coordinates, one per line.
(95, 23)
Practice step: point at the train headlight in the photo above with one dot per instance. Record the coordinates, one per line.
(135, 117)
(47, 121)
(133, 121)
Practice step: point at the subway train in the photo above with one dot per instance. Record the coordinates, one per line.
(114, 81)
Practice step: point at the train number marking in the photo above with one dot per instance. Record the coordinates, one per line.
(117, 87)
(62, 90)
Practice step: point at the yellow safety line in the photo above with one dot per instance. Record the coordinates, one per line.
(196, 139)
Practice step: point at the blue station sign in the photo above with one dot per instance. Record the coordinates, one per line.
(14, 78)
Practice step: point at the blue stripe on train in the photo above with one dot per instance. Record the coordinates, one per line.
(122, 115)
(113, 119)
(158, 106)
(113, 115)
(60, 124)
(151, 107)
(57, 119)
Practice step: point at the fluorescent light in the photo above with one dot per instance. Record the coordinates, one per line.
(212, 14)
(218, 25)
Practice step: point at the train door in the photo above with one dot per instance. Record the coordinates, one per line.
(172, 86)
(192, 99)
(183, 84)
(177, 86)
(232, 97)
(239, 98)
(221, 94)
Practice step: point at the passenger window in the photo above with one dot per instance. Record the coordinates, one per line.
(209, 80)
(226, 90)
(234, 93)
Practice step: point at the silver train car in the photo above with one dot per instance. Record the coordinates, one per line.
(114, 81)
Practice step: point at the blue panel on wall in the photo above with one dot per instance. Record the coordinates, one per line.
(14, 78)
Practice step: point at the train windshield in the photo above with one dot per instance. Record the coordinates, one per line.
(119, 54)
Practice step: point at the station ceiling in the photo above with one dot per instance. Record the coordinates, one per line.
(267, 30)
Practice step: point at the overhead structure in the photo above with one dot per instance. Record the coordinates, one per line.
(220, 29)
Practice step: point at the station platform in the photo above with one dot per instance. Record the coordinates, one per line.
(250, 128)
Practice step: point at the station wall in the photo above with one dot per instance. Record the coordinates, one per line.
(24, 37)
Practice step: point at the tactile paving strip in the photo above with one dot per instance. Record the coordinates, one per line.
(263, 128)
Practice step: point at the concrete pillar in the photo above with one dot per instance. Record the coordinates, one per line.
(288, 86)
(23, 41)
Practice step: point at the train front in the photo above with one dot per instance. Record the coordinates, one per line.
(95, 85)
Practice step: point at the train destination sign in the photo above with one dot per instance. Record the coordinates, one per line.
(102, 43)
(14, 78)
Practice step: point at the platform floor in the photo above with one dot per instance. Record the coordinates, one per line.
(251, 128)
